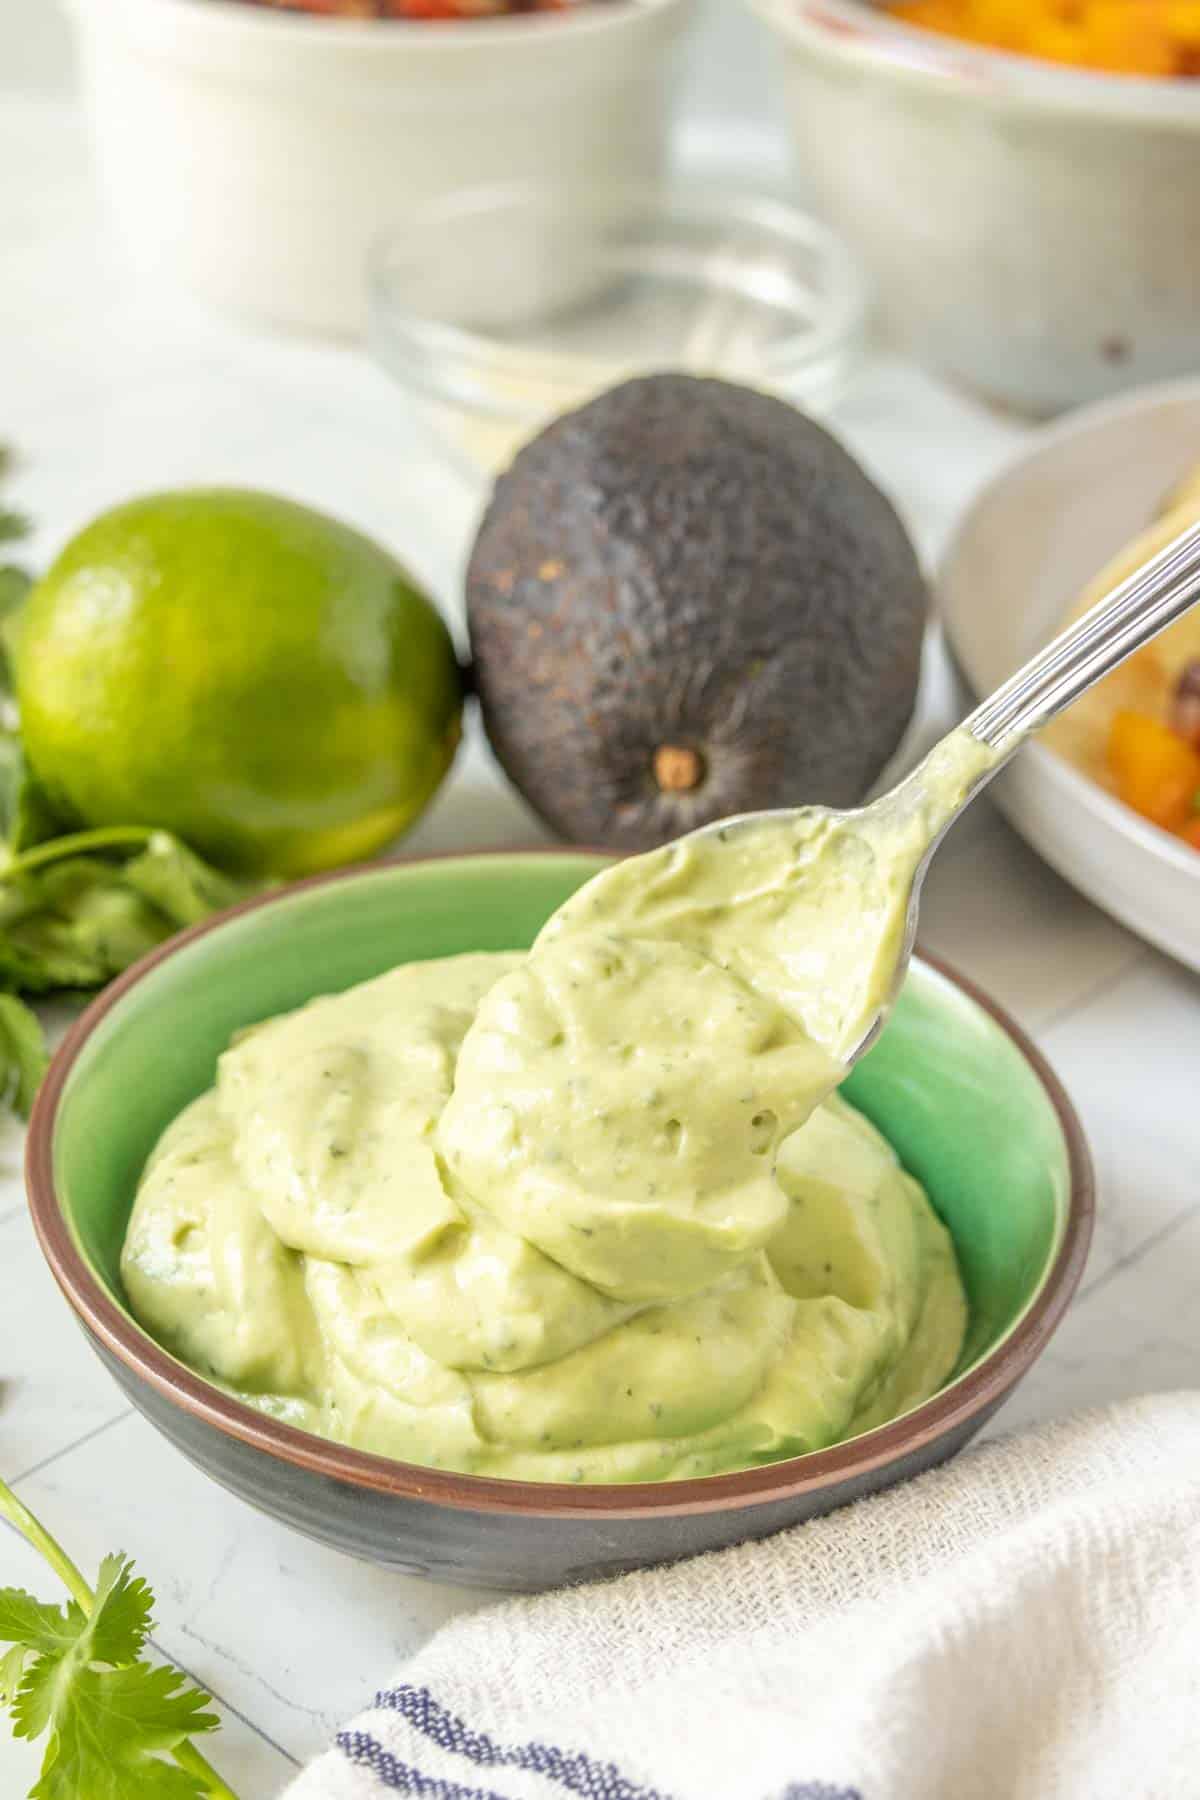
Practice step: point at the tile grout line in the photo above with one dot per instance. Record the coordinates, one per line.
(95, 1432)
(1134, 1256)
(242, 1668)
(1062, 1015)
(226, 1705)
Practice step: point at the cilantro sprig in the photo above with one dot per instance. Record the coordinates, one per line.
(12, 524)
(117, 1727)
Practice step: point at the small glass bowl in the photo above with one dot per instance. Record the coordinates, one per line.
(499, 308)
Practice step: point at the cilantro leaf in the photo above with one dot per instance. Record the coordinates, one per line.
(36, 1625)
(65, 1640)
(15, 583)
(71, 1643)
(44, 1686)
(26, 817)
(116, 1727)
(71, 922)
(12, 524)
(12, 1667)
(179, 883)
(76, 910)
(112, 1730)
(24, 1057)
(121, 1618)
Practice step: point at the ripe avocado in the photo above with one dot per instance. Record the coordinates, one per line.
(686, 600)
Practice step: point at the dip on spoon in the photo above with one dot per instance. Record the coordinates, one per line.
(819, 908)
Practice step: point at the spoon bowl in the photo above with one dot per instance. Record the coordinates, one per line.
(820, 907)
(899, 832)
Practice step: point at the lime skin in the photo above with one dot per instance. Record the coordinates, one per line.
(243, 671)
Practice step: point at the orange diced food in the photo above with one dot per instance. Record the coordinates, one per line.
(1156, 772)
(1191, 832)
(1125, 37)
(1183, 21)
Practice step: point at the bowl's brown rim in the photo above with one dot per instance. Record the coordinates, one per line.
(971, 1394)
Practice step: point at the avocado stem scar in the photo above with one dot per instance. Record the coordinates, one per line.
(676, 769)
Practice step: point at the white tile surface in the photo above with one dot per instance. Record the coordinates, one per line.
(992, 909)
(61, 1395)
(1131, 1053)
(107, 397)
(1133, 1329)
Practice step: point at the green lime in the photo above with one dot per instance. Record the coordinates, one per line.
(250, 674)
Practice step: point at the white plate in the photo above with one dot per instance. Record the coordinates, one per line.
(1023, 554)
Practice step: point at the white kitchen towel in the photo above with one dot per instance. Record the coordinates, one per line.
(1023, 1624)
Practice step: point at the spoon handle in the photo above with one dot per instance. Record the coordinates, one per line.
(1129, 617)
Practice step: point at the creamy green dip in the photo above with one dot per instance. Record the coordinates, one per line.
(592, 1213)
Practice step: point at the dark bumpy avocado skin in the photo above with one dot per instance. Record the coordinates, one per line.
(687, 565)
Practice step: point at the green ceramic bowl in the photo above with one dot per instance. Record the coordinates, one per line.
(971, 1107)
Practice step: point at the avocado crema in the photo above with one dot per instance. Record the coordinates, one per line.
(590, 1213)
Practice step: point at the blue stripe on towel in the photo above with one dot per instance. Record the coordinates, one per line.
(572, 1770)
(402, 1777)
(817, 1790)
(361, 1748)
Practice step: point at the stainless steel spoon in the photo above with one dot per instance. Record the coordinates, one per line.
(819, 907)
(1152, 598)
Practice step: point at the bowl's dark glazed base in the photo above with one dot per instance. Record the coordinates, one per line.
(509, 1552)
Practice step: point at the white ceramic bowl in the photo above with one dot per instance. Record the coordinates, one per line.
(1025, 551)
(1032, 230)
(256, 154)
